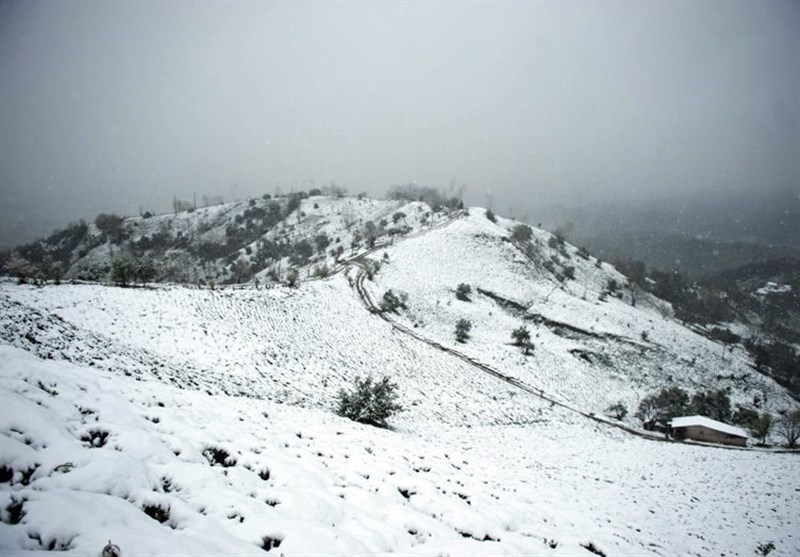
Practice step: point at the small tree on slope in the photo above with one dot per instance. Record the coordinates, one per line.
(392, 302)
(463, 291)
(618, 410)
(659, 409)
(521, 233)
(463, 327)
(369, 402)
(522, 338)
(123, 269)
(761, 426)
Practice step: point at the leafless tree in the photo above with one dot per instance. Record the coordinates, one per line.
(789, 427)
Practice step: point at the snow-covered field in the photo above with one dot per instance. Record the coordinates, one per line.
(92, 453)
(174, 420)
(288, 345)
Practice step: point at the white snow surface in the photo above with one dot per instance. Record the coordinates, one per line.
(213, 412)
(592, 353)
(325, 486)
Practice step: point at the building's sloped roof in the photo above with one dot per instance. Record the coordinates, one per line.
(687, 421)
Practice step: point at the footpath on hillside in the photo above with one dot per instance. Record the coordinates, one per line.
(360, 262)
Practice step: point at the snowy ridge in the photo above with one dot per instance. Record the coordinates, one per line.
(264, 236)
(176, 419)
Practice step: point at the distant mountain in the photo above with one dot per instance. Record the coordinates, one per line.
(692, 256)
(698, 235)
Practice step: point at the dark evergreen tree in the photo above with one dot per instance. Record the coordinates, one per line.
(370, 402)
(463, 327)
(658, 409)
(463, 291)
(713, 404)
(522, 338)
(123, 269)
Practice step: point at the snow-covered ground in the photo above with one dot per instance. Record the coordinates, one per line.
(288, 345)
(588, 352)
(159, 470)
(177, 420)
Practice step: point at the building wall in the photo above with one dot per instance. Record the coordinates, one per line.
(700, 433)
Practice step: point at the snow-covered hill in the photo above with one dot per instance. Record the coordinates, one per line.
(591, 349)
(244, 241)
(178, 419)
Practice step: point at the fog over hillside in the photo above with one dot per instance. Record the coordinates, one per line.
(121, 106)
(700, 234)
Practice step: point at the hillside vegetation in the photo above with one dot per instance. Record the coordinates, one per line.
(255, 239)
(195, 417)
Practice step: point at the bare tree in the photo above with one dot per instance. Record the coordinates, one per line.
(789, 427)
(20, 268)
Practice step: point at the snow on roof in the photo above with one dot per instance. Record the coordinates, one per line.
(774, 288)
(686, 421)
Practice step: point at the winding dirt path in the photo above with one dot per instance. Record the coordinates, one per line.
(360, 263)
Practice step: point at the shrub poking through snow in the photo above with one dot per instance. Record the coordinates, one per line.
(593, 548)
(617, 410)
(322, 271)
(463, 291)
(95, 438)
(219, 457)
(268, 542)
(522, 338)
(392, 302)
(463, 327)
(156, 512)
(521, 233)
(14, 511)
(111, 550)
(490, 215)
(370, 401)
(765, 548)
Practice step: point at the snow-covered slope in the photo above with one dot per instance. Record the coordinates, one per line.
(288, 345)
(244, 241)
(182, 420)
(590, 350)
(158, 470)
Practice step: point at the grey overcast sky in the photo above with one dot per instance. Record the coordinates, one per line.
(112, 106)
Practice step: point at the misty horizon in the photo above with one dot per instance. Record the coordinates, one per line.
(117, 107)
